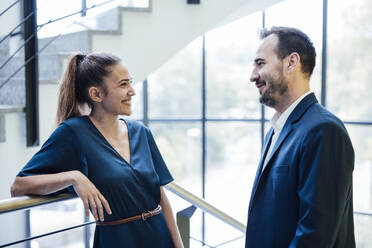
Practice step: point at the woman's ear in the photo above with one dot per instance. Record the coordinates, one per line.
(95, 94)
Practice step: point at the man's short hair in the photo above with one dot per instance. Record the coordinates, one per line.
(293, 40)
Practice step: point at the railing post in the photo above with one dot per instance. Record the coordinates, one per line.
(31, 73)
(86, 232)
(183, 223)
(28, 226)
(83, 7)
(145, 113)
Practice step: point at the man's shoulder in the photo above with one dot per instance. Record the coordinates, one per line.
(318, 118)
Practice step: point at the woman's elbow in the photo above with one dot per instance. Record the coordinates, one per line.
(15, 189)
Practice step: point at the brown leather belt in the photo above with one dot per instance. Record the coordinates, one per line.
(142, 216)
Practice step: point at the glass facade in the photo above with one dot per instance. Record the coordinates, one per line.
(222, 105)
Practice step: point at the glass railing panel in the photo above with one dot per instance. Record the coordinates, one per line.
(363, 227)
(10, 230)
(54, 217)
(233, 154)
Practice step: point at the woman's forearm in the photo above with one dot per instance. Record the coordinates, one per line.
(42, 184)
(50, 183)
(169, 219)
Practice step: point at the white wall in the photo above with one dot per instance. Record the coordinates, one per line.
(149, 39)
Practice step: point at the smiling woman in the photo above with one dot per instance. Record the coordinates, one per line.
(112, 164)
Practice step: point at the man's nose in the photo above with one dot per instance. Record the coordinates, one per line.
(254, 76)
(131, 91)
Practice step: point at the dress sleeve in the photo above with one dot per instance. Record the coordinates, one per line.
(160, 167)
(59, 153)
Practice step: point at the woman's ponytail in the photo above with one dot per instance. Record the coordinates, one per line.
(67, 101)
(83, 72)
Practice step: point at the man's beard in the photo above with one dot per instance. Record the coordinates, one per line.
(279, 88)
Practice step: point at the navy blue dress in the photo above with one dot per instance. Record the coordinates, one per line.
(130, 188)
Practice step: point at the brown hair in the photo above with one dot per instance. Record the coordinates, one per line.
(293, 40)
(83, 72)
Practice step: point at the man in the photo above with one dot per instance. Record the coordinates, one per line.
(302, 194)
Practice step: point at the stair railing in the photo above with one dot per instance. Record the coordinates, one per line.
(30, 45)
(183, 216)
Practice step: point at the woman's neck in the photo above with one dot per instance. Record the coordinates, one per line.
(106, 123)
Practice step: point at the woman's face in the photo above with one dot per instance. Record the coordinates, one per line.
(119, 91)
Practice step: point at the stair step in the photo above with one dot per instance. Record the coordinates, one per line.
(6, 109)
(78, 41)
(106, 21)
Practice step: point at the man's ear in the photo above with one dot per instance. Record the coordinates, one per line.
(293, 61)
(96, 94)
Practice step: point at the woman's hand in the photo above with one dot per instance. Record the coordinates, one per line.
(50, 183)
(169, 219)
(90, 195)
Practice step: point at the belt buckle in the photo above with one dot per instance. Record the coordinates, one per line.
(143, 216)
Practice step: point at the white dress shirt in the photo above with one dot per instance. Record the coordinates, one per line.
(277, 123)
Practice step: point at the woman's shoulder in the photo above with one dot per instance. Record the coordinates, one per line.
(77, 120)
(134, 124)
(137, 127)
(71, 126)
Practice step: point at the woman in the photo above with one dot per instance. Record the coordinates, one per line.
(112, 164)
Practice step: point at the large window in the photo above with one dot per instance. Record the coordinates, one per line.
(207, 121)
(349, 93)
(209, 125)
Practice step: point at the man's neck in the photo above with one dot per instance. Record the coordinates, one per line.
(281, 109)
(290, 97)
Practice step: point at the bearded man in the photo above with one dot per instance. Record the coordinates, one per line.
(302, 194)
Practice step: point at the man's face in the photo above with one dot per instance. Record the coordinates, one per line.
(268, 73)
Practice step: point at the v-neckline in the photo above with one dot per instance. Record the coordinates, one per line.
(108, 143)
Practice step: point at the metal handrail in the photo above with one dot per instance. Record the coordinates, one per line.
(368, 213)
(74, 13)
(14, 29)
(17, 50)
(10, 6)
(39, 27)
(29, 60)
(47, 234)
(205, 206)
(25, 202)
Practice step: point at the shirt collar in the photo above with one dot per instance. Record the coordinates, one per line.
(278, 121)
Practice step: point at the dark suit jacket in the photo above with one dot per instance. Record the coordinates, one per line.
(303, 197)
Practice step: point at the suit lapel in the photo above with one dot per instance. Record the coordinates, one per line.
(293, 117)
(262, 160)
(288, 126)
(283, 134)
